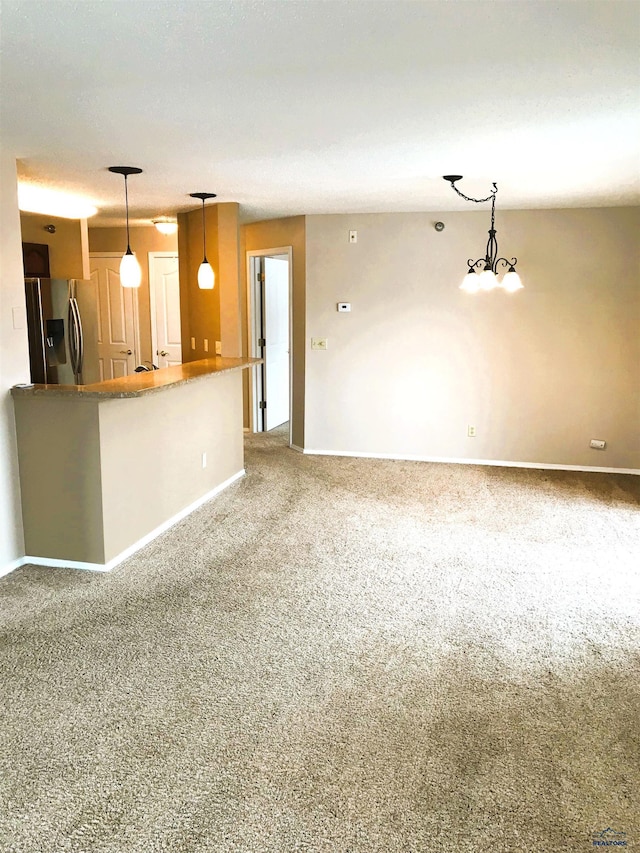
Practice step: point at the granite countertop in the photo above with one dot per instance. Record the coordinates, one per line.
(139, 384)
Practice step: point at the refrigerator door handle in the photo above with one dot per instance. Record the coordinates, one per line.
(72, 337)
(75, 339)
(40, 326)
(80, 337)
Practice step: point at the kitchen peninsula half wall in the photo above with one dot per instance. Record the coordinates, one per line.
(105, 468)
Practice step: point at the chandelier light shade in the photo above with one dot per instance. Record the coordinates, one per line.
(488, 278)
(206, 277)
(165, 225)
(130, 272)
(471, 282)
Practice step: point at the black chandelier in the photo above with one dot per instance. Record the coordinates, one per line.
(487, 279)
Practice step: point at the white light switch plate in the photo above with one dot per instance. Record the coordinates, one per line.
(319, 343)
(344, 306)
(18, 317)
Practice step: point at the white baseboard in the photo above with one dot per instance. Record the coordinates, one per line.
(53, 563)
(501, 463)
(11, 567)
(297, 449)
(128, 552)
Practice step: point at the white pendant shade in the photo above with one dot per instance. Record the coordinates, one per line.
(470, 283)
(511, 282)
(206, 277)
(130, 272)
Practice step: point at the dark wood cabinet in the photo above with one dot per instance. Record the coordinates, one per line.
(35, 258)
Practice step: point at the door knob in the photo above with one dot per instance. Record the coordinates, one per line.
(126, 352)
(163, 352)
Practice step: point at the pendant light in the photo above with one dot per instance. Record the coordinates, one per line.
(130, 272)
(487, 279)
(206, 277)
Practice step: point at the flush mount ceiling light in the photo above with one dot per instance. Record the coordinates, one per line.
(36, 199)
(206, 278)
(130, 272)
(487, 279)
(165, 225)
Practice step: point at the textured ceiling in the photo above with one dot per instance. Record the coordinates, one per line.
(334, 106)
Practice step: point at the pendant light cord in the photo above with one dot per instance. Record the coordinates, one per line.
(126, 204)
(204, 241)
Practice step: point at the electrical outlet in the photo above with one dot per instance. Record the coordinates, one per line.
(471, 431)
(597, 444)
(319, 343)
(353, 236)
(218, 347)
(204, 460)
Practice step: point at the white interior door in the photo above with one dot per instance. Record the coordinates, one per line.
(164, 295)
(117, 318)
(276, 333)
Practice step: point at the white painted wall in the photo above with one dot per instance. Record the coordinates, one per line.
(14, 361)
(538, 373)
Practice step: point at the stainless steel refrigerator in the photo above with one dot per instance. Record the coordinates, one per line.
(62, 321)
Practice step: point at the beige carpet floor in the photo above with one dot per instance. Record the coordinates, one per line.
(337, 656)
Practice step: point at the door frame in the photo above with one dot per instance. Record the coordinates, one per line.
(152, 299)
(134, 302)
(287, 251)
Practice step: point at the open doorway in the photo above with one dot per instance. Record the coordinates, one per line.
(269, 283)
